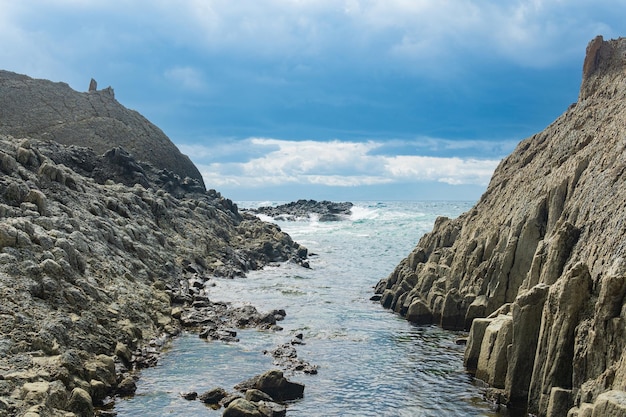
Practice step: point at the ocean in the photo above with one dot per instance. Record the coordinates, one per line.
(370, 361)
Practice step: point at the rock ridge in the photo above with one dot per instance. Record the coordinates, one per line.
(536, 270)
(41, 109)
(103, 257)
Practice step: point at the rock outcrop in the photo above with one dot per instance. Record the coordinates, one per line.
(537, 268)
(102, 257)
(41, 109)
(325, 211)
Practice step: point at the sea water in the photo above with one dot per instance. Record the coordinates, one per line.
(370, 361)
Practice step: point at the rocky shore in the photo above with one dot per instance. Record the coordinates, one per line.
(325, 211)
(536, 270)
(104, 255)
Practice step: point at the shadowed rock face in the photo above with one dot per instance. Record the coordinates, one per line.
(41, 109)
(545, 247)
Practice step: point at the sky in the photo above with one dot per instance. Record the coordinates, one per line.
(324, 99)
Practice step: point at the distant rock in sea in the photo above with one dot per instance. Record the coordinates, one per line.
(537, 269)
(324, 211)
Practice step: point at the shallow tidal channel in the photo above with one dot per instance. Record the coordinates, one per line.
(370, 362)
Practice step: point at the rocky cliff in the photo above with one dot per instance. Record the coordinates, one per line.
(102, 254)
(537, 267)
(41, 109)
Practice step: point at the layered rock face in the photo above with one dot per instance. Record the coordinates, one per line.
(537, 267)
(99, 255)
(41, 109)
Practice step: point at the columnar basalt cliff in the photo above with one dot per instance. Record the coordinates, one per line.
(537, 268)
(102, 256)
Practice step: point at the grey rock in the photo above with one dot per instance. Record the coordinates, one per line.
(213, 396)
(275, 385)
(326, 211)
(242, 408)
(104, 249)
(255, 395)
(80, 403)
(42, 109)
(190, 396)
(546, 238)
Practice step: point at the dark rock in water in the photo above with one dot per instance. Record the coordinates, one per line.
(127, 387)
(298, 339)
(213, 396)
(327, 211)
(190, 396)
(461, 341)
(272, 409)
(286, 357)
(242, 408)
(225, 402)
(275, 385)
(255, 395)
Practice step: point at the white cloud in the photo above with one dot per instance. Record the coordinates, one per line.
(338, 163)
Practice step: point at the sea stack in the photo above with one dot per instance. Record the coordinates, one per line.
(537, 268)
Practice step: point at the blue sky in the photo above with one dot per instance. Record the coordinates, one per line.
(325, 99)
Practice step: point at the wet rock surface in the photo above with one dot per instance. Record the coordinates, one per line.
(103, 258)
(263, 395)
(286, 357)
(537, 268)
(325, 211)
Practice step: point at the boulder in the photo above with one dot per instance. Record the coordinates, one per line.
(242, 408)
(419, 313)
(275, 385)
(255, 395)
(213, 396)
(35, 392)
(80, 403)
(272, 409)
(127, 387)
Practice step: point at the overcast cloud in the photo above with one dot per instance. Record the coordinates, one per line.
(354, 93)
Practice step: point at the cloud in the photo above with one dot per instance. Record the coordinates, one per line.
(339, 164)
(186, 77)
(527, 32)
(425, 37)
